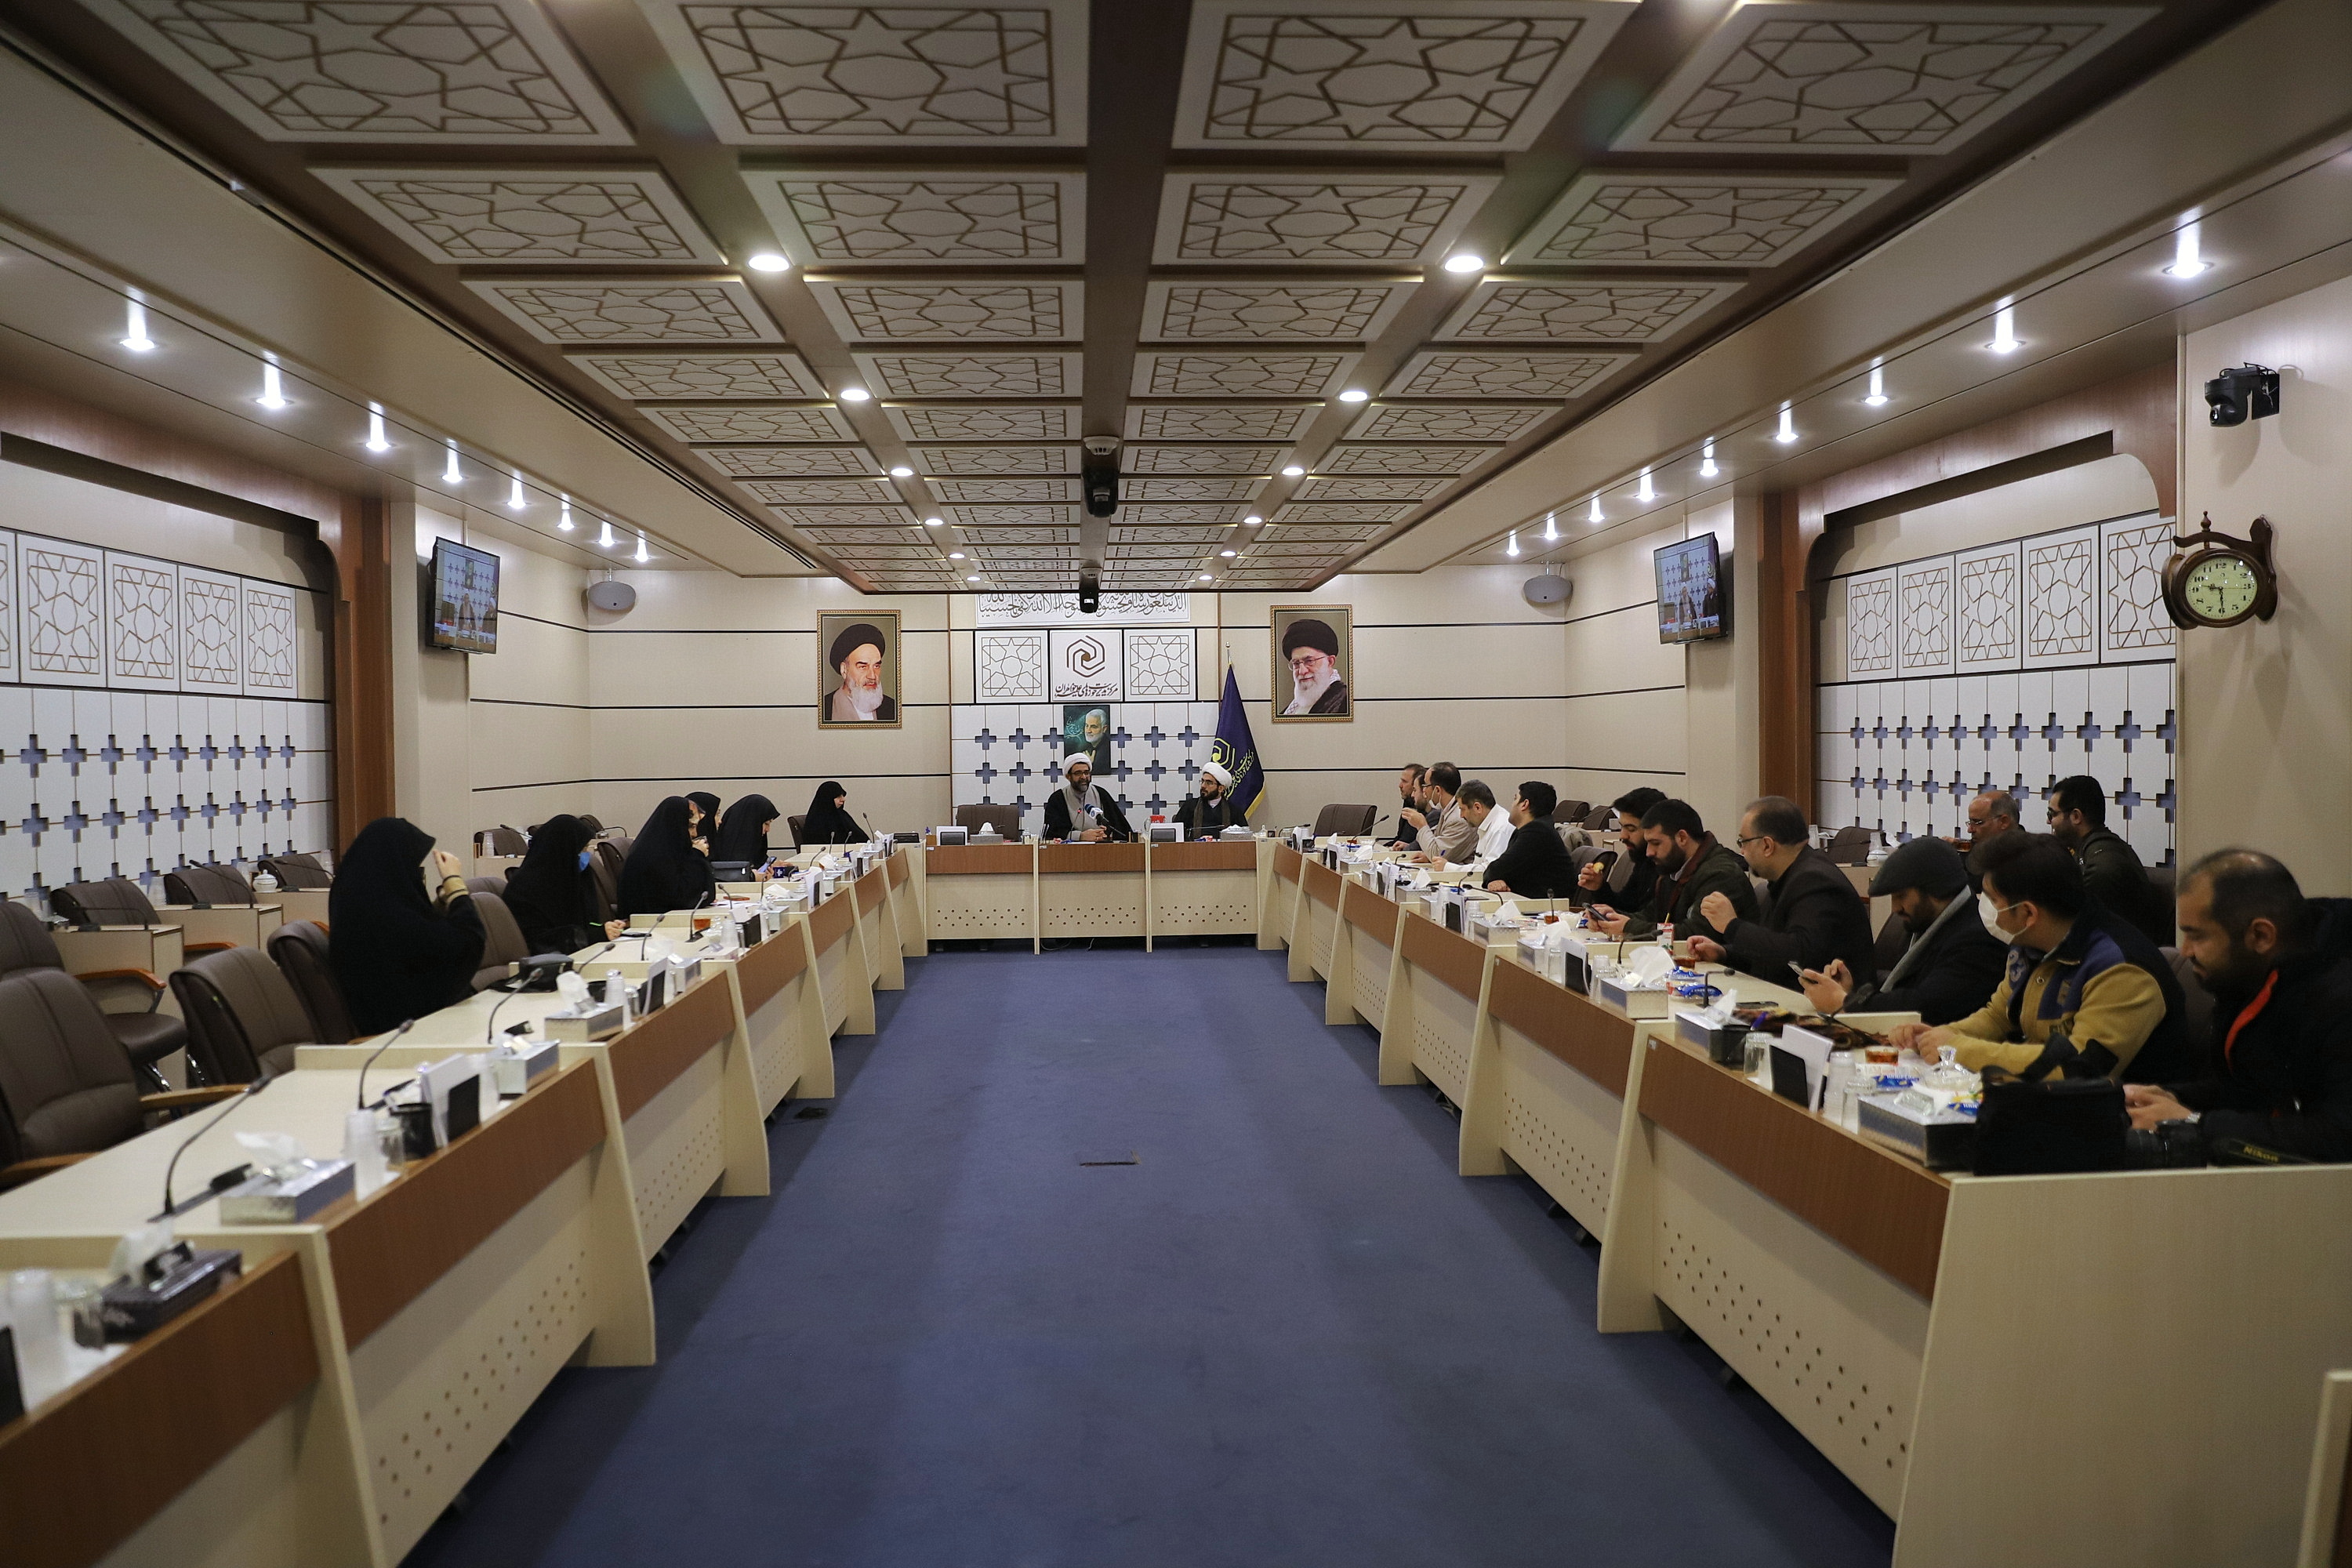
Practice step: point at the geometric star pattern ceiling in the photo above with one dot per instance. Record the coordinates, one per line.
(583, 189)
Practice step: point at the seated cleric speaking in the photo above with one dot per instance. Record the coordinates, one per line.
(1080, 810)
(2279, 1070)
(2085, 993)
(1690, 865)
(1535, 864)
(1213, 809)
(1811, 917)
(1952, 963)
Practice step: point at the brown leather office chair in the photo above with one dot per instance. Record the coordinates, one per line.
(243, 1015)
(494, 886)
(146, 1037)
(1894, 942)
(500, 840)
(1006, 820)
(502, 942)
(797, 823)
(1570, 812)
(1852, 845)
(299, 949)
(2162, 916)
(118, 902)
(591, 823)
(298, 873)
(1601, 819)
(66, 1087)
(206, 885)
(1344, 820)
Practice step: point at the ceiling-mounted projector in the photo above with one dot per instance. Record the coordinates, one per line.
(1550, 588)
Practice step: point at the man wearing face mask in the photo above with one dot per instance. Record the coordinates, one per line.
(2084, 993)
(1953, 963)
(2279, 1072)
(1690, 865)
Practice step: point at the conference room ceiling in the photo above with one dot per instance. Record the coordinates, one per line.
(1216, 233)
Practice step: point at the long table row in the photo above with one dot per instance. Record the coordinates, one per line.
(2121, 1368)
(327, 1406)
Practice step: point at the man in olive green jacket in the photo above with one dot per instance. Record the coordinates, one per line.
(1691, 865)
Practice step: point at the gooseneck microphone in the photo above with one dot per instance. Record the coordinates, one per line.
(406, 1025)
(255, 1086)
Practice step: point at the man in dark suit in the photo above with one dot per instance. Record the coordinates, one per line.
(1953, 963)
(1535, 864)
(1815, 916)
(1693, 867)
(2111, 872)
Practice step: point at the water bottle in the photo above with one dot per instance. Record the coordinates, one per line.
(364, 1147)
(40, 1345)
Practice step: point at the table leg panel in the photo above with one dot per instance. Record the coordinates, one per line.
(776, 1049)
(1203, 903)
(1559, 1126)
(1370, 976)
(243, 1512)
(974, 908)
(677, 1150)
(1442, 1021)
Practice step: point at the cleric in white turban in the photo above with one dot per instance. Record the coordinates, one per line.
(1213, 809)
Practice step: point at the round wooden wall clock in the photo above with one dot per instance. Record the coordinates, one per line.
(2217, 580)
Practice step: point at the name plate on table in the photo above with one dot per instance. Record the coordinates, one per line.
(952, 836)
(1164, 833)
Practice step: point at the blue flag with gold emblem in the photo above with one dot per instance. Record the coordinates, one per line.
(1235, 750)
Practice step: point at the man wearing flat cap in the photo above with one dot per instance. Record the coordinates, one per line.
(1953, 963)
(1313, 649)
(856, 655)
(1213, 809)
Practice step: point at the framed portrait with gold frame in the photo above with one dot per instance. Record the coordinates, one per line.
(1314, 649)
(857, 672)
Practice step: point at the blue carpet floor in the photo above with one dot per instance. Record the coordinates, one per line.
(1290, 1335)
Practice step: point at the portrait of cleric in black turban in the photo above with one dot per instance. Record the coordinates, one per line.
(1314, 658)
(859, 682)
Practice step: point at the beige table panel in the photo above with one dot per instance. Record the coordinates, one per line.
(877, 930)
(1204, 889)
(1435, 998)
(1279, 874)
(239, 925)
(838, 947)
(975, 892)
(784, 1021)
(905, 866)
(1315, 925)
(303, 904)
(1548, 1077)
(1363, 952)
(1090, 890)
(2326, 1532)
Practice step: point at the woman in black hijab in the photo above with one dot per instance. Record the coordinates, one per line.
(743, 833)
(826, 822)
(705, 832)
(551, 894)
(664, 871)
(400, 952)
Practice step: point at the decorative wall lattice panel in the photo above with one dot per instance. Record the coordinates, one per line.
(1005, 752)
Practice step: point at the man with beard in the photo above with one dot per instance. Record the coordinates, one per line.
(1629, 876)
(2111, 872)
(2279, 1071)
(856, 655)
(1092, 738)
(1313, 649)
(1214, 808)
(1690, 866)
(1812, 917)
(1953, 962)
(1078, 813)
(1407, 799)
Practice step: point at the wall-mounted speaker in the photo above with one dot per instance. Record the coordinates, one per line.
(616, 597)
(1552, 588)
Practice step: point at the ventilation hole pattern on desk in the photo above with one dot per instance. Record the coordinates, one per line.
(1442, 1055)
(1574, 1178)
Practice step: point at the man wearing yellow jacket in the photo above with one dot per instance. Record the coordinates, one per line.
(2085, 993)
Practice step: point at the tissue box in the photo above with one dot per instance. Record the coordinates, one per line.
(596, 1021)
(1725, 1044)
(265, 1200)
(1625, 996)
(515, 1064)
(1939, 1137)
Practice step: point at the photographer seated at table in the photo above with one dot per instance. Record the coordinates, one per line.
(1078, 812)
(1813, 918)
(1953, 963)
(1213, 809)
(2280, 1070)
(1535, 864)
(1626, 877)
(1690, 865)
(2084, 995)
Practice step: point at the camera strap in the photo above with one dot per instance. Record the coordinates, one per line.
(2249, 1013)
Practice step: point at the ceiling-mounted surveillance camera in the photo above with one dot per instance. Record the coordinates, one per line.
(1099, 479)
(2249, 392)
(1550, 588)
(1089, 594)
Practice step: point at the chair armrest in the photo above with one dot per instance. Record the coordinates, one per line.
(24, 1171)
(155, 986)
(189, 1098)
(197, 949)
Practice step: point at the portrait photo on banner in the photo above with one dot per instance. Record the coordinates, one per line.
(1086, 728)
(858, 683)
(1314, 662)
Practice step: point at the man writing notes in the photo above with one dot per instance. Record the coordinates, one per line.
(1213, 809)
(1080, 812)
(1690, 865)
(1440, 830)
(1953, 962)
(1813, 917)
(1535, 864)
(856, 657)
(1313, 649)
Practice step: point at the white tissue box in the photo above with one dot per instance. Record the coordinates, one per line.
(518, 1062)
(265, 1200)
(1624, 996)
(595, 1021)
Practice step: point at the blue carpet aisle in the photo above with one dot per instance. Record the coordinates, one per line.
(1290, 1335)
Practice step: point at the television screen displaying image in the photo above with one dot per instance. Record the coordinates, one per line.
(1690, 591)
(464, 612)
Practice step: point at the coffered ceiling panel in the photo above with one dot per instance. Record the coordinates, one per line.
(1015, 533)
(821, 493)
(1404, 459)
(1006, 492)
(1188, 489)
(1691, 219)
(999, 516)
(984, 422)
(1329, 533)
(1217, 422)
(718, 422)
(846, 516)
(1193, 373)
(1336, 219)
(1344, 512)
(648, 377)
(614, 310)
(1165, 534)
(982, 374)
(932, 73)
(893, 217)
(873, 534)
(1444, 373)
(1485, 74)
(465, 71)
(1510, 309)
(938, 311)
(544, 216)
(996, 459)
(1778, 76)
(1370, 487)
(1179, 514)
(1449, 422)
(1246, 460)
(788, 462)
(1156, 552)
(1347, 311)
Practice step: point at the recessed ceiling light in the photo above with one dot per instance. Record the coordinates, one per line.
(605, 539)
(1206, 578)
(1225, 553)
(1787, 434)
(451, 474)
(935, 522)
(902, 472)
(1253, 520)
(855, 394)
(1646, 492)
(955, 555)
(1292, 470)
(1513, 551)
(273, 388)
(1465, 262)
(2005, 330)
(1707, 464)
(641, 556)
(514, 495)
(769, 261)
(1354, 395)
(564, 521)
(134, 325)
(1877, 396)
(1592, 513)
(2185, 261)
(973, 578)
(375, 441)
(1551, 529)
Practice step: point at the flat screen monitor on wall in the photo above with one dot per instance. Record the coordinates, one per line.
(464, 608)
(1690, 593)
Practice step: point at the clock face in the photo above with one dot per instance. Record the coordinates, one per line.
(2220, 588)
